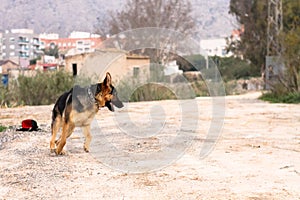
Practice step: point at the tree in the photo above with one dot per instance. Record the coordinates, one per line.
(169, 14)
(52, 51)
(290, 40)
(253, 42)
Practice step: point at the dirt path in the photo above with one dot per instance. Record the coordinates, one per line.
(257, 156)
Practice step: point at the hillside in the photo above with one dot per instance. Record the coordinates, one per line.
(65, 16)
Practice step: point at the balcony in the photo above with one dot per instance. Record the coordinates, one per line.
(23, 55)
(36, 42)
(23, 40)
(24, 49)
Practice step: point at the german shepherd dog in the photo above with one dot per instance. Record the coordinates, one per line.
(77, 108)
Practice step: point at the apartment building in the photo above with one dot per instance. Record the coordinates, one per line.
(20, 44)
(77, 42)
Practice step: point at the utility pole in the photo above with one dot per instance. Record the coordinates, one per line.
(274, 64)
(274, 27)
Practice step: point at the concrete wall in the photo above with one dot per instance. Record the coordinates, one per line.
(117, 63)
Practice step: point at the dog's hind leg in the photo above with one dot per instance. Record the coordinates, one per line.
(87, 134)
(67, 130)
(55, 125)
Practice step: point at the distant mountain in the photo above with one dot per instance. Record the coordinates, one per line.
(65, 16)
(212, 18)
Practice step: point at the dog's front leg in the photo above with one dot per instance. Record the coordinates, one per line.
(87, 134)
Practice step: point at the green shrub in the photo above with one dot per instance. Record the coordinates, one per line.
(235, 68)
(200, 88)
(231, 68)
(4, 94)
(2, 128)
(292, 97)
(43, 88)
(152, 92)
(132, 90)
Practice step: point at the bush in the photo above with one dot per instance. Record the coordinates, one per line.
(200, 88)
(2, 128)
(231, 68)
(43, 88)
(152, 92)
(292, 97)
(234, 68)
(132, 90)
(40, 89)
(4, 96)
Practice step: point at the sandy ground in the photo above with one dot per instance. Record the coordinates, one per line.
(257, 155)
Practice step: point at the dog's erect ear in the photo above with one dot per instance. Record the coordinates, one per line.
(107, 80)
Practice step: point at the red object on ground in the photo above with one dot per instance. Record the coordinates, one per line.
(29, 125)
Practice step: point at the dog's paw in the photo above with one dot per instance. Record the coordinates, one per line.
(62, 152)
(52, 150)
(86, 149)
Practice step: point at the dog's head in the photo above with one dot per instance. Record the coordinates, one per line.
(108, 96)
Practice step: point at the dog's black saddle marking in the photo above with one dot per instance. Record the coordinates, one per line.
(84, 97)
(91, 96)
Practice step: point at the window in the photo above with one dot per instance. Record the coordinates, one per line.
(12, 53)
(12, 46)
(52, 45)
(12, 39)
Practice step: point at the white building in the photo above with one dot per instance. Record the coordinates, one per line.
(215, 47)
(49, 36)
(172, 68)
(79, 34)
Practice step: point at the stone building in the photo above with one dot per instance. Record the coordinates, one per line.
(118, 63)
